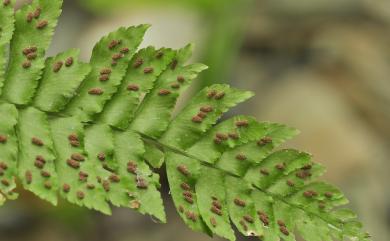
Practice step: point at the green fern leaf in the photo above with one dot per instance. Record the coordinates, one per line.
(153, 116)
(62, 76)
(6, 30)
(36, 155)
(109, 61)
(8, 149)
(90, 131)
(120, 110)
(34, 28)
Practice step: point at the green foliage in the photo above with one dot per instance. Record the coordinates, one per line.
(91, 133)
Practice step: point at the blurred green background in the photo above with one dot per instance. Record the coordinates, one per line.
(322, 66)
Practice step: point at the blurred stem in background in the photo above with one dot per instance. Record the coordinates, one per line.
(224, 20)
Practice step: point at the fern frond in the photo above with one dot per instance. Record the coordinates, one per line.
(90, 132)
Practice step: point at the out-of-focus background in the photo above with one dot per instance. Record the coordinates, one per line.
(322, 66)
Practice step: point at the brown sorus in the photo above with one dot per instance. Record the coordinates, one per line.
(6, 2)
(42, 24)
(29, 50)
(309, 193)
(5, 182)
(133, 87)
(174, 64)
(36, 141)
(216, 210)
(29, 17)
(148, 70)
(3, 166)
(138, 62)
(40, 158)
(197, 119)
(80, 195)
(206, 108)
(264, 219)
(211, 93)
(192, 216)
(183, 170)
(185, 186)
(264, 171)
(202, 114)
(265, 140)
(243, 224)
(117, 56)
(290, 183)
(216, 204)
(105, 71)
(66, 187)
(57, 66)
(241, 157)
(248, 218)
(47, 185)
(124, 50)
(213, 221)
(83, 176)
(242, 123)
(181, 209)
(45, 174)
(303, 174)
(180, 79)
(31, 56)
(73, 163)
(106, 185)
(189, 199)
(239, 202)
(221, 136)
(37, 13)
(101, 156)
(135, 204)
(90, 186)
(73, 137)
(281, 223)
(74, 143)
(163, 92)
(280, 166)
(307, 167)
(219, 96)
(159, 54)
(233, 135)
(217, 141)
(328, 194)
(28, 176)
(187, 194)
(113, 44)
(132, 167)
(284, 230)
(39, 164)
(175, 85)
(95, 91)
(26, 64)
(115, 178)
(141, 183)
(77, 157)
(104, 77)
(69, 62)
